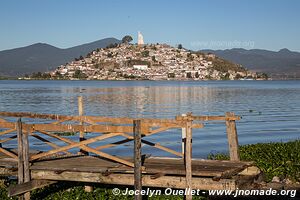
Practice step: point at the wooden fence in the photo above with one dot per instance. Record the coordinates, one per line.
(131, 129)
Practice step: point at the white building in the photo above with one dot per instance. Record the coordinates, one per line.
(140, 38)
(140, 67)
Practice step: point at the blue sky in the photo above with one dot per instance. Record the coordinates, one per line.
(197, 24)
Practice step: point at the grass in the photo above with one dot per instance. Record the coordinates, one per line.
(75, 191)
(274, 159)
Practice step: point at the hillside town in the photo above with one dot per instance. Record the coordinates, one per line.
(150, 62)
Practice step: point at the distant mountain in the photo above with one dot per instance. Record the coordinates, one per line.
(281, 63)
(44, 57)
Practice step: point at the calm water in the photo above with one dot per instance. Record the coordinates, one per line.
(270, 109)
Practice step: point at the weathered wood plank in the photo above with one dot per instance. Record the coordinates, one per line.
(188, 158)
(2, 120)
(228, 163)
(81, 113)
(61, 121)
(73, 145)
(20, 152)
(137, 159)
(210, 118)
(9, 125)
(120, 120)
(94, 119)
(7, 131)
(26, 187)
(158, 130)
(183, 136)
(130, 138)
(86, 148)
(88, 165)
(26, 161)
(78, 128)
(158, 146)
(128, 179)
(8, 139)
(20, 155)
(232, 137)
(48, 142)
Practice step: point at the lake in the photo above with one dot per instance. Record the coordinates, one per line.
(270, 110)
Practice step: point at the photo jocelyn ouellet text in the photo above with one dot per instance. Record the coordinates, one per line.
(175, 192)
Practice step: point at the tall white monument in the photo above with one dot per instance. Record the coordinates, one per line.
(140, 38)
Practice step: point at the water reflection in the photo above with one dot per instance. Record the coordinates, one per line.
(270, 110)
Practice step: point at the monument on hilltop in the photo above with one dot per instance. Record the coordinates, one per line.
(140, 38)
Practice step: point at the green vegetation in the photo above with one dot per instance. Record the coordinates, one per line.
(153, 59)
(75, 191)
(126, 39)
(7, 78)
(39, 75)
(171, 75)
(131, 76)
(112, 46)
(79, 74)
(130, 63)
(110, 55)
(263, 76)
(80, 58)
(189, 57)
(226, 76)
(189, 75)
(145, 53)
(224, 65)
(274, 159)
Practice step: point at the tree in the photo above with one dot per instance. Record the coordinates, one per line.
(264, 76)
(126, 39)
(180, 46)
(145, 53)
(226, 76)
(79, 74)
(112, 45)
(109, 55)
(238, 76)
(189, 75)
(153, 58)
(190, 57)
(171, 75)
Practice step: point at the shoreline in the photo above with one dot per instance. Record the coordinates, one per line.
(71, 190)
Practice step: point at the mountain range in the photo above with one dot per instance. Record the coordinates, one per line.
(280, 63)
(44, 57)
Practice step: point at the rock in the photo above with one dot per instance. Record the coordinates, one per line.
(276, 179)
(263, 183)
(287, 181)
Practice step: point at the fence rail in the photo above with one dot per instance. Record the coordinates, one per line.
(131, 129)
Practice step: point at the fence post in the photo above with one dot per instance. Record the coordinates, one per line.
(87, 188)
(232, 137)
(26, 161)
(20, 155)
(137, 159)
(183, 136)
(81, 113)
(188, 157)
